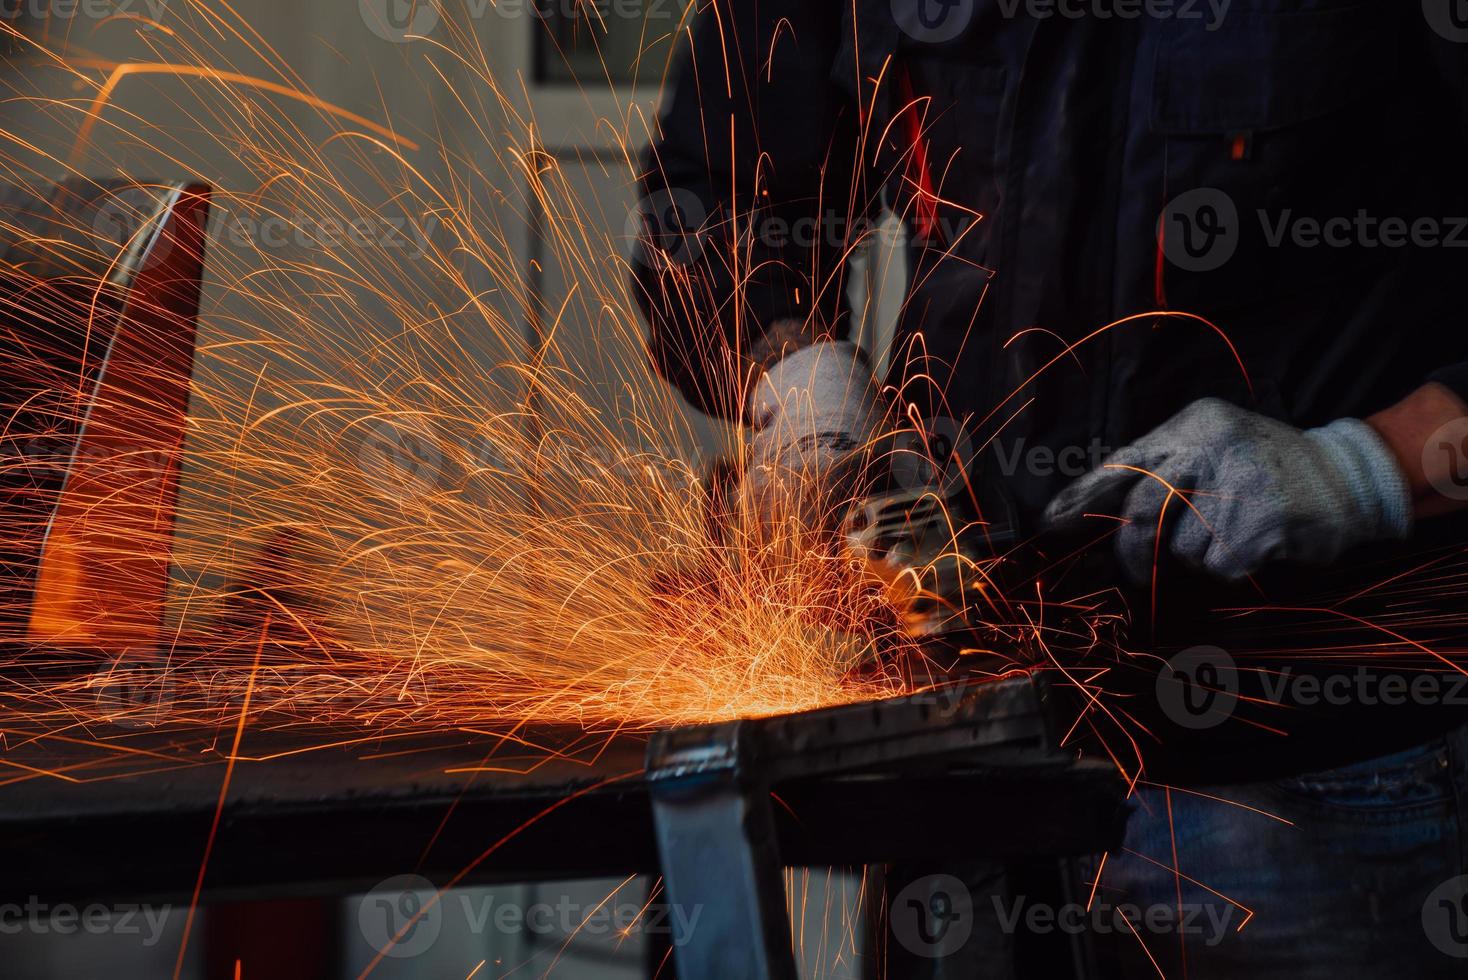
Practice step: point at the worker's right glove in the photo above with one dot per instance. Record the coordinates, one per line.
(816, 415)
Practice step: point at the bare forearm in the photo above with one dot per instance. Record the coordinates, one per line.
(1427, 432)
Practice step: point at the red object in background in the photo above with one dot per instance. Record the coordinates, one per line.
(283, 940)
(102, 287)
(919, 173)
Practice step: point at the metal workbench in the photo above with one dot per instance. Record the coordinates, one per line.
(90, 814)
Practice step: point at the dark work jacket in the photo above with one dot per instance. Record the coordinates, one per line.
(1057, 174)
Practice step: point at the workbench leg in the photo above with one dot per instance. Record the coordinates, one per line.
(1055, 883)
(722, 873)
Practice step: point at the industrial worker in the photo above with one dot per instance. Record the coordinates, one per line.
(1274, 192)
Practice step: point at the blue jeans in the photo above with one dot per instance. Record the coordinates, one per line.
(1338, 869)
(1358, 873)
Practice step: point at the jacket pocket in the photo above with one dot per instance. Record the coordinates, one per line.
(1276, 132)
(1262, 71)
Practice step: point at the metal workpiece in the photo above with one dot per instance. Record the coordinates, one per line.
(1001, 723)
(996, 723)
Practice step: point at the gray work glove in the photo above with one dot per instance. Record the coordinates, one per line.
(815, 414)
(1254, 491)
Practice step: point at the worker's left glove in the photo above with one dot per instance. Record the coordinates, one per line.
(1240, 490)
(815, 416)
